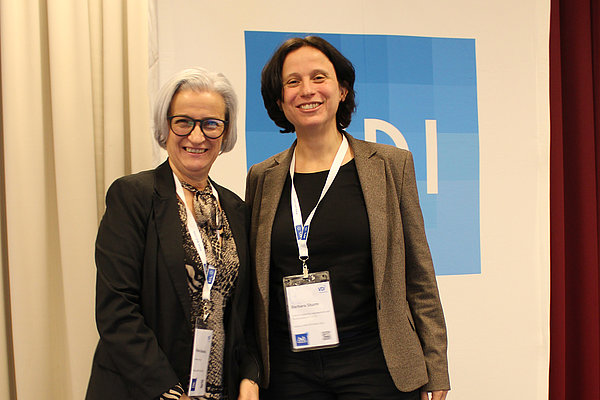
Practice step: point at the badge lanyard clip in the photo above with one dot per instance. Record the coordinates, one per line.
(304, 266)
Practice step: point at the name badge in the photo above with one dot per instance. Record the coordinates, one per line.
(200, 357)
(310, 311)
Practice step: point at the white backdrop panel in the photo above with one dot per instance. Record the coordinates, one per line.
(497, 320)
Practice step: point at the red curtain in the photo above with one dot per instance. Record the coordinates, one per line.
(574, 199)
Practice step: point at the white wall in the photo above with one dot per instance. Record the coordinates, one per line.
(498, 320)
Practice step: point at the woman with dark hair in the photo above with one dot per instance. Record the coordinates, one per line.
(346, 299)
(173, 266)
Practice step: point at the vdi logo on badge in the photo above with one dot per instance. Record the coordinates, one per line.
(416, 93)
(302, 339)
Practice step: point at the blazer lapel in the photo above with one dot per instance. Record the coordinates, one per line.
(168, 227)
(271, 193)
(371, 174)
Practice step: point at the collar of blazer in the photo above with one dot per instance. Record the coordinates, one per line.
(372, 177)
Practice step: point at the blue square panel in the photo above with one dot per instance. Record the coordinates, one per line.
(414, 92)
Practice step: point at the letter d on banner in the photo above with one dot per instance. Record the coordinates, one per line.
(374, 125)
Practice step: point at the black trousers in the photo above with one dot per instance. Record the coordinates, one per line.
(355, 370)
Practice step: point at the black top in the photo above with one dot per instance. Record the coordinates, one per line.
(338, 241)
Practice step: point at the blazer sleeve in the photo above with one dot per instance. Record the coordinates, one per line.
(256, 365)
(250, 189)
(250, 365)
(421, 285)
(130, 345)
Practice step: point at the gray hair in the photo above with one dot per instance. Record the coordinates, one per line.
(200, 80)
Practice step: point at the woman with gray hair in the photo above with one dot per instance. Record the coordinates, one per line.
(172, 262)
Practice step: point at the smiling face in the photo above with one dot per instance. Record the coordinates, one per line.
(311, 91)
(192, 156)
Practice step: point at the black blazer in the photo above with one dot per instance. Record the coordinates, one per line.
(142, 299)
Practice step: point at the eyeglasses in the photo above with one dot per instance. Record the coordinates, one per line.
(182, 125)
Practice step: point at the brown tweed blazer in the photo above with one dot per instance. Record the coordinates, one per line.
(410, 317)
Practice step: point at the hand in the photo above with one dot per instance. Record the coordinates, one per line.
(435, 395)
(248, 390)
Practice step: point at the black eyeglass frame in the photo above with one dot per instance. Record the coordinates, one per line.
(198, 121)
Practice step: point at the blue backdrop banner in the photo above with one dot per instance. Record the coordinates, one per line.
(418, 93)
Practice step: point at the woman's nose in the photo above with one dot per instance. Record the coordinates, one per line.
(196, 135)
(306, 88)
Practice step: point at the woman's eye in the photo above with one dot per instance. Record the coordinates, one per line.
(182, 122)
(319, 78)
(292, 82)
(212, 124)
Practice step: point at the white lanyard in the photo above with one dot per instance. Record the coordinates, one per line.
(210, 271)
(300, 229)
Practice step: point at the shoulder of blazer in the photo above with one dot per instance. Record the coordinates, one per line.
(137, 190)
(281, 158)
(159, 179)
(235, 209)
(228, 196)
(275, 167)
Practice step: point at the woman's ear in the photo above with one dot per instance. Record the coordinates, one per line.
(343, 93)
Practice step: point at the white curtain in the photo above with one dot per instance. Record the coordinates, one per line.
(75, 116)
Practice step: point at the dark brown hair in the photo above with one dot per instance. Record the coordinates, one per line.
(272, 83)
